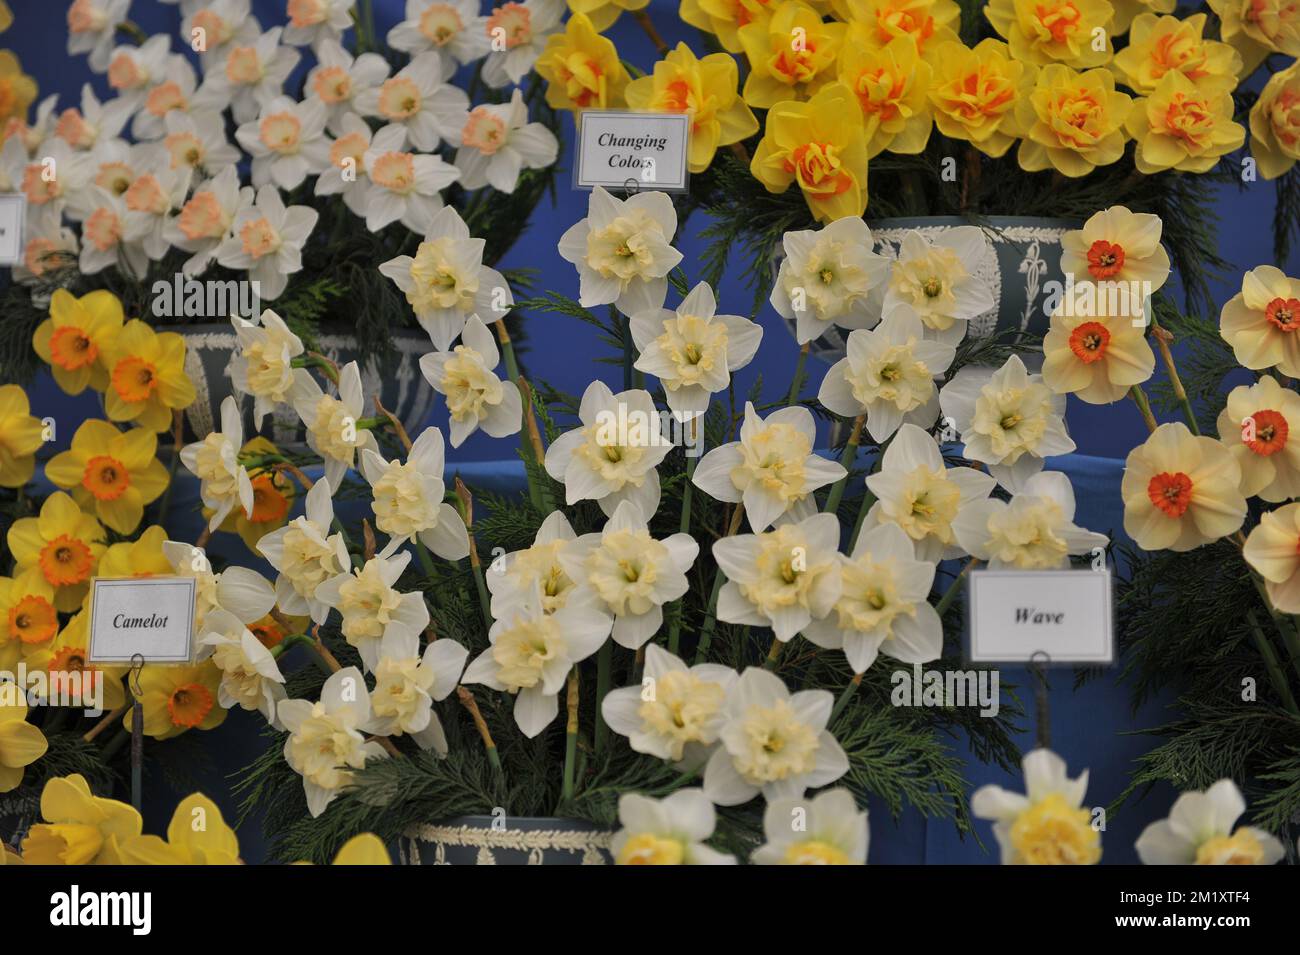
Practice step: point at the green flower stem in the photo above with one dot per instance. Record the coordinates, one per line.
(845, 696)
(604, 677)
(1144, 406)
(867, 500)
(512, 372)
(1276, 675)
(1286, 625)
(489, 744)
(1163, 339)
(796, 383)
(426, 559)
(570, 738)
(711, 614)
(774, 654)
(954, 588)
(178, 424)
(846, 461)
(679, 606)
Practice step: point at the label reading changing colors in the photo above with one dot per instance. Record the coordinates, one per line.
(152, 617)
(1049, 616)
(633, 151)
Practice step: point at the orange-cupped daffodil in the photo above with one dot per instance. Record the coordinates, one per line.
(1097, 354)
(1275, 123)
(178, 698)
(21, 435)
(1184, 125)
(1262, 321)
(147, 379)
(1072, 122)
(17, 89)
(582, 69)
(1159, 45)
(724, 18)
(65, 543)
(66, 660)
(28, 620)
(273, 497)
(197, 835)
(704, 87)
(821, 145)
(80, 828)
(114, 473)
(791, 55)
(1071, 32)
(21, 743)
(874, 24)
(892, 86)
(72, 340)
(974, 92)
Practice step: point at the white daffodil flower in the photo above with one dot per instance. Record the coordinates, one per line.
(825, 830)
(418, 102)
(408, 499)
(1199, 831)
(828, 277)
(236, 590)
(446, 281)
(514, 578)
(94, 122)
(92, 27)
(370, 606)
(306, 554)
(693, 350)
(134, 70)
(287, 142)
(516, 33)
(452, 27)
(612, 456)
(346, 173)
(325, 742)
(668, 831)
(197, 141)
(915, 490)
(1008, 419)
(223, 481)
(623, 251)
(261, 364)
(206, 219)
(157, 191)
(532, 652)
(888, 374)
(224, 23)
(676, 712)
(333, 431)
(1046, 826)
(935, 279)
(403, 186)
(495, 142)
(249, 75)
(77, 182)
(267, 239)
(250, 677)
(630, 573)
(313, 22)
(783, 578)
(1035, 531)
(476, 397)
(407, 683)
(773, 742)
(339, 80)
(883, 604)
(772, 468)
(106, 240)
(177, 94)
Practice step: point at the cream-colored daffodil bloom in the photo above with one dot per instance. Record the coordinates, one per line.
(241, 591)
(407, 683)
(883, 604)
(1035, 531)
(668, 831)
(830, 276)
(476, 397)
(772, 468)
(1199, 831)
(773, 742)
(935, 278)
(370, 605)
(306, 554)
(1008, 419)
(408, 499)
(262, 362)
(1046, 826)
(676, 712)
(223, 481)
(1273, 549)
(888, 374)
(1181, 490)
(915, 490)
(333, 424)
(250, 677)
(1256, 425)
(1260, 322)
(512, 578)
(1097, 354)
(693, 350)
(825, 830)
(1117, 246)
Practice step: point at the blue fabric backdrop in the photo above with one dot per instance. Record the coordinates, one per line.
(1088, 724)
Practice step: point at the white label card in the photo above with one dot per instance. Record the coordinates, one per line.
(633, 151)
(149, 616)
(13, 206)
(1048, 616)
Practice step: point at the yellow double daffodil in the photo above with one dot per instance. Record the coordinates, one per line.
(603, 13)
(1071, 32)
(1275, 123)
(791, 55)
(974, 94)
(65, 543)
(1072, 122)
(72, 340)
(21, 435)
(874, 24)
(147, 379)
(17, 89)
(1159, 45)
(724, 18)
(80, 828)
(892, 86)
(1184, 125)
(581, 68)
(114, 473)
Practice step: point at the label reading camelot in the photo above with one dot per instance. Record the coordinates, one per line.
(13, 206)
(633, 151)
(149, 617)
(1048, 616)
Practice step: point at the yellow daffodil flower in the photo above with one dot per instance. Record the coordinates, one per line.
(1184, 125)
(820, 145)
(1256, 425)
(874, 24)
(892, 86)
(791, 55)
(1071, 32)
(178, 698)
(581, 68)
(1261, 321)
(65, 543)
(79, 828)
(1127, 12)
(1159, 45)
(28, 620)
(1259, 27)
(1098, 355)
(724, 18)
(114, 473)
(66, 655)
(974, 94)
(1275, 123)
(273, 496)
(72, 340)
(365, 849)
(20, 437)
(142, 557)
(705, 88)
(1072, 122)
(21, 743)
(147, 379)
(603, 13)
(197, 835)
(17, 89)
(6, 16)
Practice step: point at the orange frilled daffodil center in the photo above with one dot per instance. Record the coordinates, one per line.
(1171, 492)
(66, 561)
(1284, 313)
(189, 705)
(135, 379)
(1060, 20)
(1105, 259)
(106, 478)
(818, 169)
(891, 23)
(269, 502)
(71, 348)
(1089, 341)
(33, 620)
(1271, 431)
